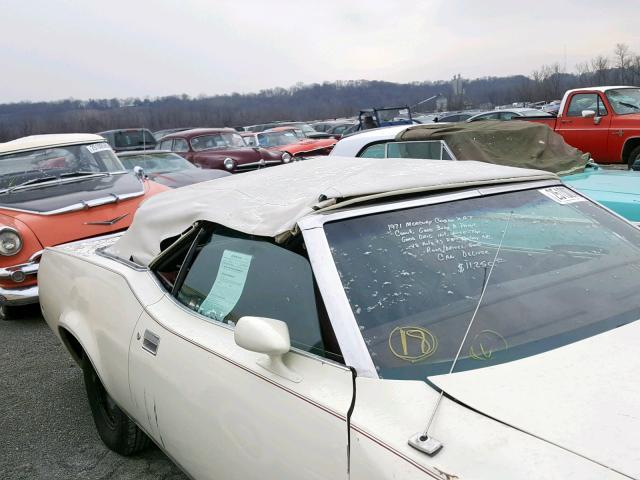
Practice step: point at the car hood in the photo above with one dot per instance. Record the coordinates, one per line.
(181, 178)
(307, 146)
(600, 180)
(53, 197)
(616, 189)
(583, 397)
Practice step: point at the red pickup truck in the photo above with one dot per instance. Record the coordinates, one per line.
(604, 121)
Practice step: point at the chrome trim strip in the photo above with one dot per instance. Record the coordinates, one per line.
(112, 198)
(19, 296)
(26, 268)
(262, 163)
(102, 252)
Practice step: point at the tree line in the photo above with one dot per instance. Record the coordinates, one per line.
(309, 101)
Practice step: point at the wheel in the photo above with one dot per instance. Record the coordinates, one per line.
(634, 156)
(117, 431)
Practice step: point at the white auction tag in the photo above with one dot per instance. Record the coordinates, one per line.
(228, 285)
(562, 195)
(98, 147)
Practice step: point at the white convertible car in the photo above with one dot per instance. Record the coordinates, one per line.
(356, 319)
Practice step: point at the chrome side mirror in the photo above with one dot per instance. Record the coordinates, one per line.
(588, 113)
(139, 173)
(268, 336)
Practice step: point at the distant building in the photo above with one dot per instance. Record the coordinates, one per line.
(442, 104)
(457, 92)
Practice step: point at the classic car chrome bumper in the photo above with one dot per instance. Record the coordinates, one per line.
(18, 274)
(18, 296)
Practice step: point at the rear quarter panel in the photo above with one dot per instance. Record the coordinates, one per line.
(91, 298)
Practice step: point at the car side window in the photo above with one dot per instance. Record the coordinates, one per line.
(582, 101)
(229, 275)
(507, 115)
(488, 116)
(165, 144)
(376, 150)
(180, 145)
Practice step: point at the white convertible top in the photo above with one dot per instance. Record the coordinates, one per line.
(270, 202)
(35, 142)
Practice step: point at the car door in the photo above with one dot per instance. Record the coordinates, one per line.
(206, 401)
(589, 134)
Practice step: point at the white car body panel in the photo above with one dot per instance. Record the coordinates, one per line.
(388, 412)
(194, 402)
(351, 145)
(545, 396)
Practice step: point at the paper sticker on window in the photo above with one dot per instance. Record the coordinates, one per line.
(562, 195)
(98, 147)
(228, 286)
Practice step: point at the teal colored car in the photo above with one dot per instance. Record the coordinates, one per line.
(618, 190)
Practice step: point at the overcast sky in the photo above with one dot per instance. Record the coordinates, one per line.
(53, 49)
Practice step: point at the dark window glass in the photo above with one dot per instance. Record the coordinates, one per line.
(373, 151)
(134, 138)
(180, 145)
(234, 275)
(563, 270)
(582, 101)
(166, 144)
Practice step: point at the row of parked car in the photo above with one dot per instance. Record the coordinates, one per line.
(418, 283)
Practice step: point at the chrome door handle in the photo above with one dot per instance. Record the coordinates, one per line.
(150, 342)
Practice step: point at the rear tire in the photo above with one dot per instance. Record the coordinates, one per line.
(633, 156)
(116, 429)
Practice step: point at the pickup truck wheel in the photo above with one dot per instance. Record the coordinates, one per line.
(633, 156)
(117, 431)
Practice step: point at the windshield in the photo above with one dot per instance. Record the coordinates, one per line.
(275, 139)
(567, 270)
(306, 129)
(156, 162)
(624, 100)
(217, 140)
(54, 163)
(133, 139)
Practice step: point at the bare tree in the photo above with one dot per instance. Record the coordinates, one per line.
(600, 67)
(583, 71)
(623, 59)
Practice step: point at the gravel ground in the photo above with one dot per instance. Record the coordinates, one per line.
(46, 429)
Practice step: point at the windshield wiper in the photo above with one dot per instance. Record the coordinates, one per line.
(422, 441)
(81, 173)
(630, 105)
(35, 181)
(29, 182)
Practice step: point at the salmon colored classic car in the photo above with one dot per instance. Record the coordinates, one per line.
(56, 189)
(290, 140)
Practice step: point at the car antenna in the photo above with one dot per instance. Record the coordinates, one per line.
(422, 441)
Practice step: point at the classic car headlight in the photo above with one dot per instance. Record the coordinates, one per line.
(286, 157)
(229, 163)
(10, 241)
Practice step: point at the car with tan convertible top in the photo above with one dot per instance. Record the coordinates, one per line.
(352, 318)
